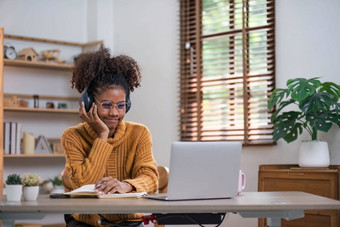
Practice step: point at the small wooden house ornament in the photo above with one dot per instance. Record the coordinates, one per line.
(28, 54)
(42, 146)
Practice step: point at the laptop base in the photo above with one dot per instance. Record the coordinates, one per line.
(164, 197)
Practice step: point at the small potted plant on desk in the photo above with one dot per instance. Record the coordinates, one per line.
(58, 185)
(317, 110)
(13, 187)
(31, 186)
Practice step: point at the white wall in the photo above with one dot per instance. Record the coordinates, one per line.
(148, 31)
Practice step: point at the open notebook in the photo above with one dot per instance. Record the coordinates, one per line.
(89, 191)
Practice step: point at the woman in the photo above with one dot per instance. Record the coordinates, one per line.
(105, 150)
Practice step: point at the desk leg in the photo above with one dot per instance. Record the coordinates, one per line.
(273, 216)
(273, 222)
(8, 219)
(8, 223)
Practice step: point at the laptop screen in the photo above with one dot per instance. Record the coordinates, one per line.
(204, 170)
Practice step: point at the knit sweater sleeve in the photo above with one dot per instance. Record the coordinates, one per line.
(144, 173)
(84, 168)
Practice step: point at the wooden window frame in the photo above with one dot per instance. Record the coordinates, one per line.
(192, 82)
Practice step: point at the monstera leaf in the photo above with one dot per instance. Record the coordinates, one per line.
(280, 107)
(322, 121)
(318, 104)
(277, 96)
(301, 88)
(287, 127)
(332, 89)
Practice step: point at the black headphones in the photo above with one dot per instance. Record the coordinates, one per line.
(88, 100)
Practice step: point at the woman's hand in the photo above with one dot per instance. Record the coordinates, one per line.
(94, 121)
(110, 185)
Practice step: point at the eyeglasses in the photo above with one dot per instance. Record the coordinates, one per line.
(108, 105)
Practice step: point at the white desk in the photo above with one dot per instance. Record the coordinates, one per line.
(272, 205)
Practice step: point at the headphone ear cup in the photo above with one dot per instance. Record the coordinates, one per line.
(128, 101)
(87, 99)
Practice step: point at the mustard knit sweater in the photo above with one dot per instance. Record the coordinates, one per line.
(127, 156)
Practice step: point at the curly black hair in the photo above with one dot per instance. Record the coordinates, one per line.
(98, 71)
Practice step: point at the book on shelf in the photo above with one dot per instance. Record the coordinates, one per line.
(12, 137)
(18, 138)
(89, 191)
(7, 133)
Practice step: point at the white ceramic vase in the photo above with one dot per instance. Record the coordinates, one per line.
(31, 193)
(14, 192)
(314, 154)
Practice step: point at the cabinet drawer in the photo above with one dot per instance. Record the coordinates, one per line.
(311, 220)
(318, 187)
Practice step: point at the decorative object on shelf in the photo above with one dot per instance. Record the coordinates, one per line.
(11, 101)
(48, 186)
(54, 185)
(23, 103)
(13, 187)
(52, 55)
(9, 52)
(318, 110)
(36, 101)
(28, 143)
(28, 54)
(62, 105)
(7, 102)
(31, 186)
(57, 149)
(50, 105)
(42, 146)
(56, 146)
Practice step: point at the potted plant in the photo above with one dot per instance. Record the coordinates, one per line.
(13, 187)
(31, 186)
(317, 110)
(58, 185)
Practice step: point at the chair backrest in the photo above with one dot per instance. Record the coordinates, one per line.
(163, 179)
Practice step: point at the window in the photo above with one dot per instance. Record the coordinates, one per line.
(227, 70)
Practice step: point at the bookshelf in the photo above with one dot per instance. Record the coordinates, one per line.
(51, 70)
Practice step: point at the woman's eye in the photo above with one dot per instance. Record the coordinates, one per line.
(107, 105)
(121, 105)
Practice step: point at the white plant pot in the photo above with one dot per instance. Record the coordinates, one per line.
(314, 154)
(14, 192)
(31, 193)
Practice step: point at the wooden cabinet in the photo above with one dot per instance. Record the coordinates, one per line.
(318, 181)
(48, 72)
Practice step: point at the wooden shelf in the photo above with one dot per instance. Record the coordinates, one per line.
(42, 97)
(41, 110)
(34, 156)
(42, 65)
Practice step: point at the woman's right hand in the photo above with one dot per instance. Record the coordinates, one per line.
(94, 121)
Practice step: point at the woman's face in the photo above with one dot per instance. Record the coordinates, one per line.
(111, 107)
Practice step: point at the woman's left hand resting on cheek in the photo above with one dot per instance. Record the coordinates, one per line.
(110, 185)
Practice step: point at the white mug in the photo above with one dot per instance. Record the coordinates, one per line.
(241, 182)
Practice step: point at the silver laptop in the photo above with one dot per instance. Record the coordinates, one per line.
(203, 170)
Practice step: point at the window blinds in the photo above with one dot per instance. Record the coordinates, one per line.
(227, 70)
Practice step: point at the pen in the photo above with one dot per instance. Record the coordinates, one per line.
(100, 184)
